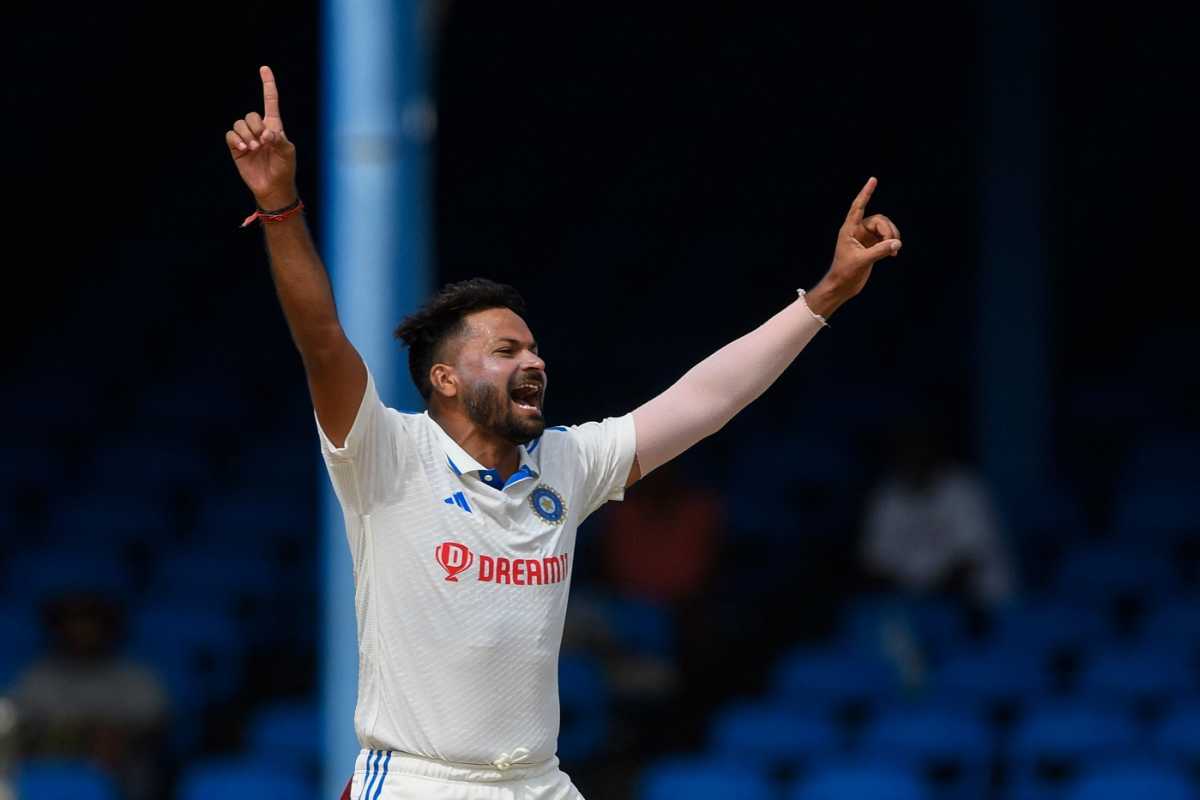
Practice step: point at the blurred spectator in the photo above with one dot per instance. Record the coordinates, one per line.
(83, 700)
(8, 728)
(661, 543)
(930, 526)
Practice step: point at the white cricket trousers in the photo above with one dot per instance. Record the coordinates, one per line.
(391, 775)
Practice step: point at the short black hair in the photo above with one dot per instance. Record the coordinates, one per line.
(441, 318)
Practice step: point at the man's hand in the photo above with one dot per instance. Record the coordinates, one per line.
(265, 158)
(860, 243)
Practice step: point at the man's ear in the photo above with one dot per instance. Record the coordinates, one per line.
(444, 380)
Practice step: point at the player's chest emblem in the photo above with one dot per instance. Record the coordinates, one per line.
(548, 504)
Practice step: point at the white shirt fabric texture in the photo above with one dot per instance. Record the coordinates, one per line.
(460, 584)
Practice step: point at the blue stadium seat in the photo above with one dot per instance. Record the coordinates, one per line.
(21, 636)
(1073, 731)
(1125, 782)
(235, 779)
(859, 781)
(994, 675)
(1130, 675)
(817, 679)
(955, 746)
(639, 626)
(287, 733)
(63, 780)
(1173, 625)
(773, 737)
(923, 734)
(703, 779)
(1178, 736)
(1055, 743)
(584, 703)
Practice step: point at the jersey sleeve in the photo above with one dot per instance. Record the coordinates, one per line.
(371, 463)
(604, 453)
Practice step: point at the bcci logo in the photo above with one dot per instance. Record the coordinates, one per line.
(548, 504)
(454, 558)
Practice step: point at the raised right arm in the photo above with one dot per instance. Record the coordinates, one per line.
(266, 161)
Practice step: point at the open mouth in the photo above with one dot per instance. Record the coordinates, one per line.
(528, 397)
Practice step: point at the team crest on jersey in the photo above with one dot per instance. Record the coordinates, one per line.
(548, 504)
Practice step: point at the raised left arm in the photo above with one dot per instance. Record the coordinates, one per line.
(712, 392)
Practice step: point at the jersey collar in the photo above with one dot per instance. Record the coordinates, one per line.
(460, 462)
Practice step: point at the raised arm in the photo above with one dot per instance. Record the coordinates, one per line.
(266, 160)
(712, 392)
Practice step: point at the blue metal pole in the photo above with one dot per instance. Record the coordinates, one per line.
(375, 231)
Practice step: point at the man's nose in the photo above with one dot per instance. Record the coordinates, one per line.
(534, 361)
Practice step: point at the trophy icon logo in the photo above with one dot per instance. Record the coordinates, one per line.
(454, 558)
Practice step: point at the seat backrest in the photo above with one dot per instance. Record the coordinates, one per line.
(1073, 731)
(22, 642)
(805, 677)
(1178, 735)
(921, 735)
(64, 780)
(1008, 673)
(227, 779)
(855, 781)
(1129, 674)
(699, 779)
(1123, 782)
(770, 735)
(289, 732)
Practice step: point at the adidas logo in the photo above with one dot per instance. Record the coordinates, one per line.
(458, 499)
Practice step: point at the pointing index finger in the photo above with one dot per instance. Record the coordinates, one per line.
(859, 206)
(270, 94)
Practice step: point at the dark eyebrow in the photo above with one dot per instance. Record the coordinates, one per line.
(532, 345)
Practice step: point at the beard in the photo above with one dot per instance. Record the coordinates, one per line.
(494, 413)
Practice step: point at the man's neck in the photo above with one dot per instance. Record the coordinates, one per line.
(486, 448)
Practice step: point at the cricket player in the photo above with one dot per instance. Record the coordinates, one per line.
(461, 520)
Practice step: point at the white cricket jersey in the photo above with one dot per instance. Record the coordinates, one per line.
(460, 583)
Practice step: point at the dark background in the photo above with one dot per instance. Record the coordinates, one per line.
(688, 169)
(656, 181)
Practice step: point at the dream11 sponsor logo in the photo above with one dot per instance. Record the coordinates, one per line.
(457, 558)
(454, 558)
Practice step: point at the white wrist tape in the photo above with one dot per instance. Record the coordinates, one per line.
(818, 317)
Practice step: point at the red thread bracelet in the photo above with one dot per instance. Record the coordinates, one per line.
(277, 215)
